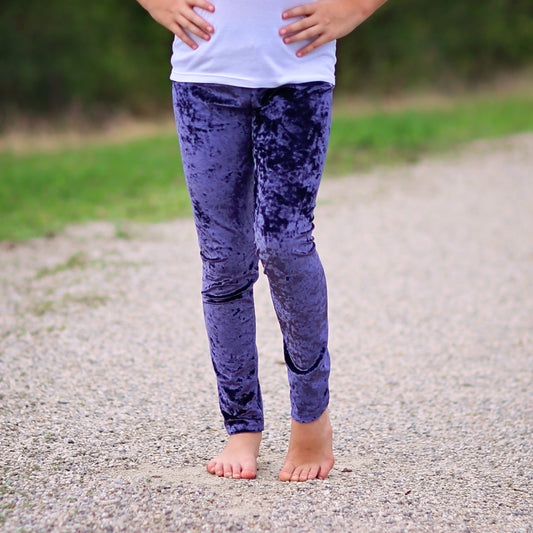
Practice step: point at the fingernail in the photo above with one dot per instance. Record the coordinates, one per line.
(283, 31)
(286, 40)
(210, 29)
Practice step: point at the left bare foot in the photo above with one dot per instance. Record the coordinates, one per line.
(310, 454)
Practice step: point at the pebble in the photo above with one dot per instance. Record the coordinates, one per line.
(108, 409)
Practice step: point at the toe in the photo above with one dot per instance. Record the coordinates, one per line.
(228, 470)
(304, 474)
(296, 474)
(286, 472)
(313, 472)
(236, 471)
(248, 474)
(324, 470)
(211, 466)
(219, 469)
(248, 470)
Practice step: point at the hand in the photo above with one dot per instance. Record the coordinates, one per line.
(325, 20)
(179, 17)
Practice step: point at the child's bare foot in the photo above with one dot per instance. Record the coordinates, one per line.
(310, 454)
(239, 458)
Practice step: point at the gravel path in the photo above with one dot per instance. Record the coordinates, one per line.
(108, 409)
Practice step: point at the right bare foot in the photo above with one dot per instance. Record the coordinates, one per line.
(239, 458)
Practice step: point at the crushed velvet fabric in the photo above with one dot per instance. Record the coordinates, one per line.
(253, 161)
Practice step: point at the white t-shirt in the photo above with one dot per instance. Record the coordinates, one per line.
(246, 49)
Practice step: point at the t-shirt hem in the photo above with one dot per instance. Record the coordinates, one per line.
(246, 82)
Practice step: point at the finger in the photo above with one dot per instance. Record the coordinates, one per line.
(178, 31)
(313, 45)
(299, 11)
(198, 21)
(187, 25)
(297, 26)
(309, 33)
(203, 4)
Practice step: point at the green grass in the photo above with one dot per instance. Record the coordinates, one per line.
(42, 192)
(404, 136)
(141, 180)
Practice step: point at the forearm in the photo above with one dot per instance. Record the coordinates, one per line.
(368, 6)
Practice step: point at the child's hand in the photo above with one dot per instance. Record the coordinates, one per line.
(179, 17)
(325, 20)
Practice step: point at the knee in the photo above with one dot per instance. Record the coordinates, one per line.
(281, 252)
(226, 291)
(282, 236)
(227, 275)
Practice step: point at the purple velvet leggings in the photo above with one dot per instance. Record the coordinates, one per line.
(253, 160)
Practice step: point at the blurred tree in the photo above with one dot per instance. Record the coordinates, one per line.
(59, 54)
(415, 42)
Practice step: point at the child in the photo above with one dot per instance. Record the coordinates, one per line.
(252, 98)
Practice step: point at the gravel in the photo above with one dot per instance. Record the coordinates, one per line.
(108, 409)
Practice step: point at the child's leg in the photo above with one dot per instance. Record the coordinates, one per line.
(291, 131)
(214, 126)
